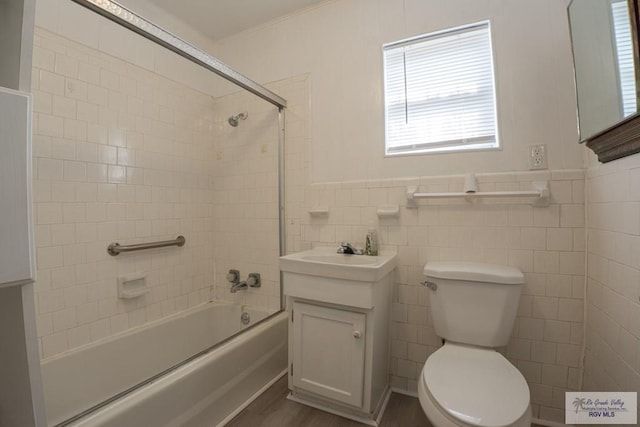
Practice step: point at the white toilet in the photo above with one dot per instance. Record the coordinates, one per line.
(466, 382)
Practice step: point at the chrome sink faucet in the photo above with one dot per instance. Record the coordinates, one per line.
(347, 248)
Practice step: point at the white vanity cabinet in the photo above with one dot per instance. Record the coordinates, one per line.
(328, 352)
(339, 331)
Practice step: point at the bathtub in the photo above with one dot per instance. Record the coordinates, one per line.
(207, 390)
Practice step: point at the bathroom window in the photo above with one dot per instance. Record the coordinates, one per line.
(440, 92)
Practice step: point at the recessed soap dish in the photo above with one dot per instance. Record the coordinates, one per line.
(388, 211)
(319, 211)
(132, 285)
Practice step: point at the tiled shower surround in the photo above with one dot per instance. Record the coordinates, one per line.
(122, 154)
(246, 198)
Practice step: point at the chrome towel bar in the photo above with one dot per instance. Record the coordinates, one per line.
(115, 248)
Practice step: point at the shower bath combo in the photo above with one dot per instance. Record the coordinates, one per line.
(221, 367)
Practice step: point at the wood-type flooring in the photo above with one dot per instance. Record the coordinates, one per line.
(273, 409)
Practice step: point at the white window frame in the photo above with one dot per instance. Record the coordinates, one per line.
(460, 146)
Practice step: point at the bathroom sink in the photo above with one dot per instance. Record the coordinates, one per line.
(342, 259)
(325, 262)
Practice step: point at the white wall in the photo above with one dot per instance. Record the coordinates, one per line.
(613, 291)
(74, 22)
(334, 158)
(148, 10)
(339, 44)
(547, 244)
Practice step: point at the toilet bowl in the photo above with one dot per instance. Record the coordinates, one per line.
(469, 386)
(466, 382)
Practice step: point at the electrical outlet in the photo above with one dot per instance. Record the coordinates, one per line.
(537, 157)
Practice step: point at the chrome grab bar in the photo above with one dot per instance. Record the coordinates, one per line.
(116, 248)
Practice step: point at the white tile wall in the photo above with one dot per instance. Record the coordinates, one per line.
(547, 244)
(612, 361)
(246, 233)
(124, 154)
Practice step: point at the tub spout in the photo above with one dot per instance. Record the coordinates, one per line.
(238, 286)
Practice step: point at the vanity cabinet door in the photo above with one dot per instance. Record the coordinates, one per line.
(329, 352)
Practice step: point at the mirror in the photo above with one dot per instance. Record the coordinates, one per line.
(604, 40)
(604, 65)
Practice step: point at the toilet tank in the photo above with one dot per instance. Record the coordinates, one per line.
(473, 303)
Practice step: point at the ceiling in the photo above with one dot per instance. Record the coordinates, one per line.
(218, 19)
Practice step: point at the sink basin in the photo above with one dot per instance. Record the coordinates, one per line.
(325, 262)
(341, 259)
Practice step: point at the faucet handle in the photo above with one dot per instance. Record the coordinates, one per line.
(233, 276)
(253, 280)
(345, 248)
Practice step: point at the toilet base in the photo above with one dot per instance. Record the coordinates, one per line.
(439, 418)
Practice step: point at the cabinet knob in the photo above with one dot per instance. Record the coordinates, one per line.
(357, 334)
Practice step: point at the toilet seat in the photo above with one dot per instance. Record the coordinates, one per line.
(476, 386)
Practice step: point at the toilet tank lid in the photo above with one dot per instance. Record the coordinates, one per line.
(474, 271)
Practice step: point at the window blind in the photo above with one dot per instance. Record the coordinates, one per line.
(439, 92)
(624, 56)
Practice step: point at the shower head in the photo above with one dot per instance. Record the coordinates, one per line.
(234, 120)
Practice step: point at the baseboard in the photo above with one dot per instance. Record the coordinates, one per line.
(547, 423)
(353, 417)
(538, 421)
(383, 406)
(251, 399)
(405, 392)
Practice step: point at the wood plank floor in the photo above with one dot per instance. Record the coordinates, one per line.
(273, 409)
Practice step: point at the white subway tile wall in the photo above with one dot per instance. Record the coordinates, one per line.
(246, 232)
(612, 361)
(123, 154)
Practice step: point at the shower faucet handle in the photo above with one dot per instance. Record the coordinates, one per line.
(233, 276)
(254, 280)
